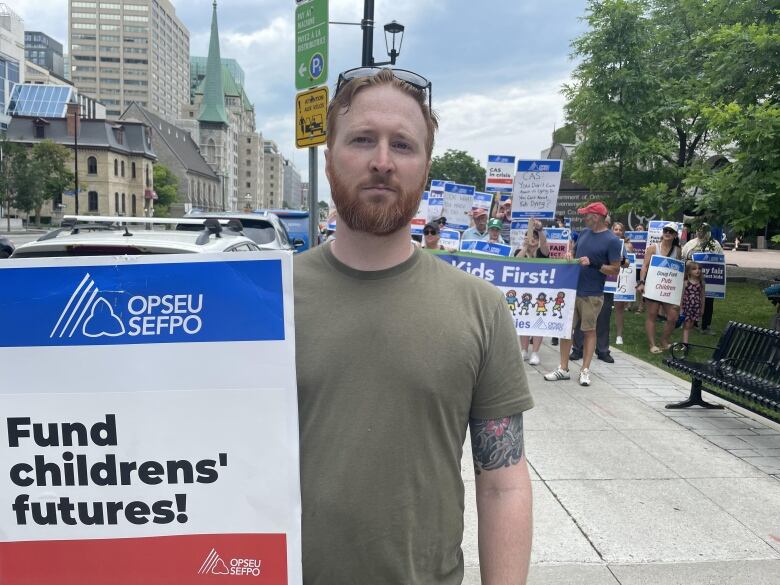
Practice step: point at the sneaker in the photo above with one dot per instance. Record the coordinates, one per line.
(524, 354)
(534, 359)
(606, 357)
(584, 377)
(619, 340)
(575, 355)
(557, 374)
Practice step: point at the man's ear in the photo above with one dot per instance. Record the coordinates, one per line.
(327, 164)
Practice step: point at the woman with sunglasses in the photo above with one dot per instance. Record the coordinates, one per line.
(668, 246)
(431, 237)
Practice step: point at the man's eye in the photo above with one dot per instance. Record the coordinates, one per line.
(402, 145)
(361, 140)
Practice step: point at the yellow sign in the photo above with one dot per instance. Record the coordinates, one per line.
(311, 112)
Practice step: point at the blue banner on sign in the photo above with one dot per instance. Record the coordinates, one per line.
(497, 158)
(664, 262)
(539, 166)
(713, 267)
(186, 302)
(484, 247)
(459, 189)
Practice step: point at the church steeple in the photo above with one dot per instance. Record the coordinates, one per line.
(213, 107)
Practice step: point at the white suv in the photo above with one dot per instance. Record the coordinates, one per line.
(132, 236)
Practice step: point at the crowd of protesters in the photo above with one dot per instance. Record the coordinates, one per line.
(601, 248)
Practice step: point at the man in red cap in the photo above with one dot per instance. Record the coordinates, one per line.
(598, 251)
(479, 231)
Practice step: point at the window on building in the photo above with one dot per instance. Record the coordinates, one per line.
(116, 167)
(248, 185)
(40, 131)
(132, 170)
(116, 202)
(133, 206)
(124, 204)
(92, 166)
(92, 201)
(123, 167)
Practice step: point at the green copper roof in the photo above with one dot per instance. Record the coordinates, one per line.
(230, 88)
(213, 107)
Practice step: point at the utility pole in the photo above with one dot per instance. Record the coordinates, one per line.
(76, 114)
(367, 24)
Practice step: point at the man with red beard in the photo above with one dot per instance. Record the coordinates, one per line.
(398, 353)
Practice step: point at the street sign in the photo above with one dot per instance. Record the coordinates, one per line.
(311, 112)
(311, 43)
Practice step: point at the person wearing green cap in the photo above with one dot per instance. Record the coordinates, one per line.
(494, 231)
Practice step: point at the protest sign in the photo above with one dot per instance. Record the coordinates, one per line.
(611, 281)
(435, 199)
(539, 293)
(664, 280)
(713, 268)
(450, 240)
(625, 288)
(638, 242)
(483, 247)
(458, 200)
(536, 189)
(483, 201)
(655, 230)
(500, 173)
(517, 231)
(558, 241)
(146, 449)
(421, 217)
(503, 197)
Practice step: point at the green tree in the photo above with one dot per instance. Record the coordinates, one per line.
(566, 134)
(458, 166)
(166, 185)
(10, 153)
(52, 162)
(650, 74)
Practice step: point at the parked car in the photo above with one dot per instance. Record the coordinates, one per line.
(264, 228)
(118, 236)
(297, 224)
(6, 247)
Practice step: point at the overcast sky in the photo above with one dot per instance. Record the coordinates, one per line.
(496, 65)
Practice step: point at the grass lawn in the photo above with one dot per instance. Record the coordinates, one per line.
(745, 302)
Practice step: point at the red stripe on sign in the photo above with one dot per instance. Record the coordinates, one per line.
(254, 559)
(500, 181)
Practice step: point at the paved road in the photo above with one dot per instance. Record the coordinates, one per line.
(629, 493)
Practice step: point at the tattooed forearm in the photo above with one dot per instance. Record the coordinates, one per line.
(496, 443)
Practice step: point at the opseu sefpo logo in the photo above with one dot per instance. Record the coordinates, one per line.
(93, 313)
(215, 565)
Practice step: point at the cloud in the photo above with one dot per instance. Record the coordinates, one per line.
(513, 119)
(279, 30)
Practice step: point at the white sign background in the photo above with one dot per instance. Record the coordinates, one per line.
(219, 404)
(664, 280)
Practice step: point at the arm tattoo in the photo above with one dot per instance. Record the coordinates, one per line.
(496, 443)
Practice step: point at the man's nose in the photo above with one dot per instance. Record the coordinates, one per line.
(382, 159)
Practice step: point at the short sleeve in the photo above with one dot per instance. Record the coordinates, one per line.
(502, 387)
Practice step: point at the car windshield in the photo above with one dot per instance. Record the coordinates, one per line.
(94, 250)
(295, 224)
(259, 231)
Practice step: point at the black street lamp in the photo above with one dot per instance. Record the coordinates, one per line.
(367, 24)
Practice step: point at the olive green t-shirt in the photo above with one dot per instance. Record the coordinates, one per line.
(391, 366)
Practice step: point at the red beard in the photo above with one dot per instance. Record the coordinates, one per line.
(379, 219)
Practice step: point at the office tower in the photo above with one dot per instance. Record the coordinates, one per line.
(127, 51)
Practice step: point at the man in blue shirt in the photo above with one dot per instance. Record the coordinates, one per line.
(598, 251)
(479, 231)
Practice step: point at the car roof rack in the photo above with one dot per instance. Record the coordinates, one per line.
(73, 224)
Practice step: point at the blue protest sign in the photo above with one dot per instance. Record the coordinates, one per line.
(540, 294)
(713, 268)
(484, 247)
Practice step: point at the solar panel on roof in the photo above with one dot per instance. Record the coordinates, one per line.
(46, 101)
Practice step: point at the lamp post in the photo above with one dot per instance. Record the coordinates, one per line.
(393, 28)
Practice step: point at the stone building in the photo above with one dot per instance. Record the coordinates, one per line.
(222, 122)
(199, 185)
(274, 175)
(115, 162)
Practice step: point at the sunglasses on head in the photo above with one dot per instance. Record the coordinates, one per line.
(430, 232)
(409, 77)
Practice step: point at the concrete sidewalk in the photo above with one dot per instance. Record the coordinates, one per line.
(627, 492)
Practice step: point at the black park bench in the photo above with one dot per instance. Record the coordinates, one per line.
(746, 364)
